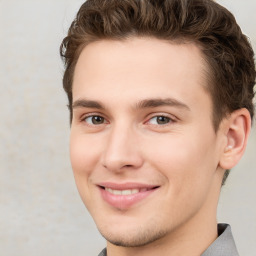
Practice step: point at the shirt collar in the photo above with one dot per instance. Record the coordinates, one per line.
(224, 245)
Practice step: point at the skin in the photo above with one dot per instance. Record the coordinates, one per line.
(118, 136)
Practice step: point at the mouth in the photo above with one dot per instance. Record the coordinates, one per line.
(125, 192)
(124, 196)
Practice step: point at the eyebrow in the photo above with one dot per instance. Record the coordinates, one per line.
(147, 103)
(83, 103)
(153, 103)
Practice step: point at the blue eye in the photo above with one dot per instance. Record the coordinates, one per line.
(95, 120)
(160, 120)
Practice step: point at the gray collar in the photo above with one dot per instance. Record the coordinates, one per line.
(224, 245)
(103, 253)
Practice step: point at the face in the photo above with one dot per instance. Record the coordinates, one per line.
(143, 148)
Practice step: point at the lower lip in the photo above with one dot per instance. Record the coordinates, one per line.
(124, 202)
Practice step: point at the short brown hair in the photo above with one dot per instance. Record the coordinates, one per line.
(204, 22)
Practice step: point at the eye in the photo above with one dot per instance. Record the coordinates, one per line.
(95, 120)
(160, 120)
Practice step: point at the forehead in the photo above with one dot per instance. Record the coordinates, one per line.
(140, 67)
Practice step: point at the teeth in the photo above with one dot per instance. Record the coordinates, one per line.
(126, 192)
(123, 192)
(134, 191)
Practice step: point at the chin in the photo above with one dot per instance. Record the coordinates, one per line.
(133, 238)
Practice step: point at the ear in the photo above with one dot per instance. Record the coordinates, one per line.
(237, 130)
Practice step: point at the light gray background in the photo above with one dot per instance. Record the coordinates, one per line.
(40, 210)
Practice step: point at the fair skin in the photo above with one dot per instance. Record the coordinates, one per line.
(146, 159)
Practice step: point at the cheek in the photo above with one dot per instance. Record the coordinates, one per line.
(83, 158)
(188, 168)
(83, 154)
(186, 161)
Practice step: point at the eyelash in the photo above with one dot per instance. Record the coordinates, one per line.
(169, 119)
(83, 119)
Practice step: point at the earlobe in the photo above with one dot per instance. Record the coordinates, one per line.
(238, 127)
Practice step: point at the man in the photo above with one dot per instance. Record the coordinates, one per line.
(160, 96)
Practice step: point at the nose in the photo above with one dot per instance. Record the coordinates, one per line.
(122, 150)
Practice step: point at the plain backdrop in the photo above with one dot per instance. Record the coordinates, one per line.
(40, 209)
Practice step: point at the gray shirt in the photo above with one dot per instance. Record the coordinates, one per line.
(224, 245)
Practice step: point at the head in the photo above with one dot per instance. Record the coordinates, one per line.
(227, 52)
(193, 38)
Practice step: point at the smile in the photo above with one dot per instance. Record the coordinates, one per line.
(124, 196)
(125, 192)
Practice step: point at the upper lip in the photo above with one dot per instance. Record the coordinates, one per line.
(126, 186)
